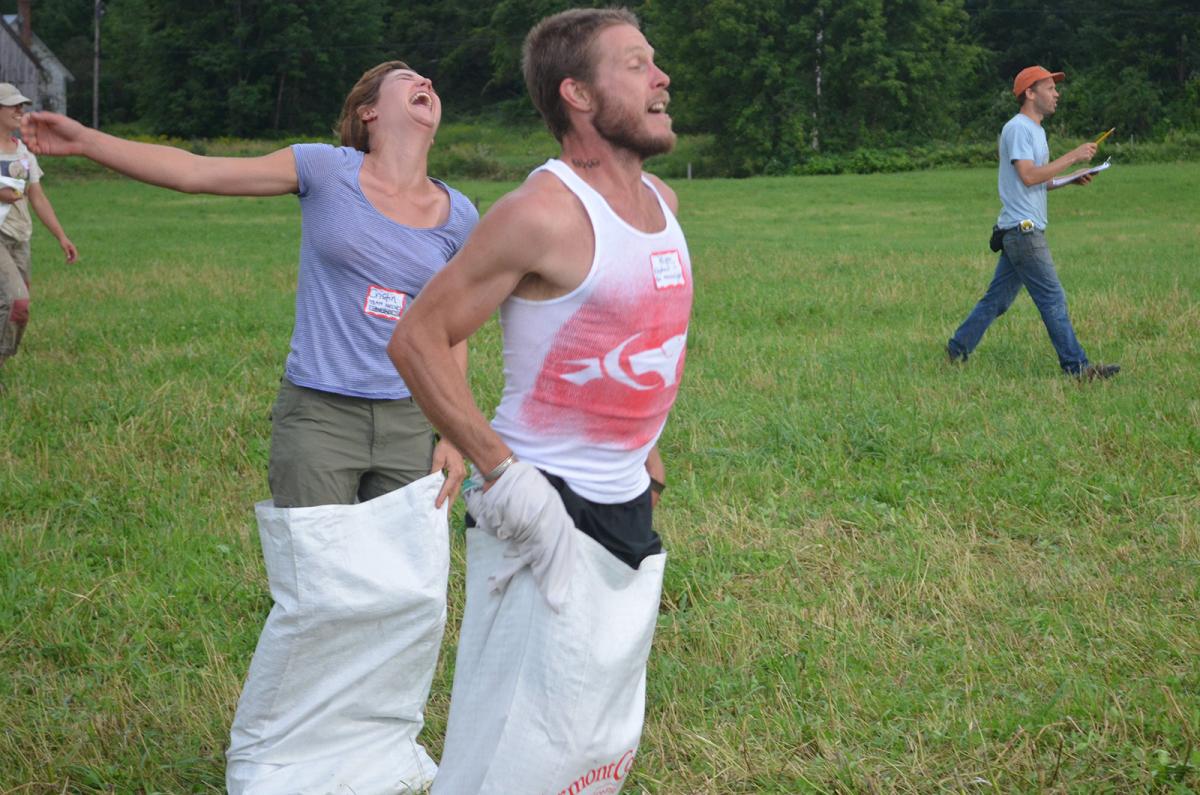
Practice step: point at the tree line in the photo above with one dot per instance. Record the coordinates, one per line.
(773, 81)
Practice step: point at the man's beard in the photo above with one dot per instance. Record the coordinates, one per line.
(621, 129)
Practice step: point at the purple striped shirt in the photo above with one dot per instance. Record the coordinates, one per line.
(358, 271)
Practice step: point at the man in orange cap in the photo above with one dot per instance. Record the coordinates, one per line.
(1025, 174)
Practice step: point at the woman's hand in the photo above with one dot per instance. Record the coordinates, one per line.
(52, 134)
(446, 458)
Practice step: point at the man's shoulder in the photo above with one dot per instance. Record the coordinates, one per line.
(543, 185)
(1018, 122)
(664, 190)
(1020, 134)
(536, 226)
(542, 202)
(1024, 125)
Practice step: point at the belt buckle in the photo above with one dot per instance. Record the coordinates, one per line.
(1026, 226)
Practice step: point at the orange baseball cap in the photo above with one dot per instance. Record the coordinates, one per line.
(1030, 75)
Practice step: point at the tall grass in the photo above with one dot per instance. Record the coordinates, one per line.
(886, 574)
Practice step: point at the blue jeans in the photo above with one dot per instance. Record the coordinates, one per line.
(1026, 261)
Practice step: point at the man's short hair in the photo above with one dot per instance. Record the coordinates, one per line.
(559, 47)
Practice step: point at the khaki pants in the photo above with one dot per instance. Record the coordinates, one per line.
(14, 293)
(330, 449)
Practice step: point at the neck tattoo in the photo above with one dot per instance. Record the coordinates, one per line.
(584, 163)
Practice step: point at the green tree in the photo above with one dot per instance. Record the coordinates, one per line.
(775, 81)
(508, 25)
(897, 69)
(1129, 63)
(250, 67)
(744, 70)
(451, 43)
(778, 80)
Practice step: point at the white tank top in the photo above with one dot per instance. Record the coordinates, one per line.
(589, 377)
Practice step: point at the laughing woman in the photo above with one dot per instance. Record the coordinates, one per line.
(345, 431)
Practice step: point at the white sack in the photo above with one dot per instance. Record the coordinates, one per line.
(9, 182)
(549, 702)
(335, 695)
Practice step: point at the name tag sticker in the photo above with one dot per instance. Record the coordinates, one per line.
(385, 303)
(668, 269)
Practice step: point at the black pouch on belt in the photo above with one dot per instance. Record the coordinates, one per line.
(997, 241)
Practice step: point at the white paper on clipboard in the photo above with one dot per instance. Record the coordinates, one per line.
(1058, 182)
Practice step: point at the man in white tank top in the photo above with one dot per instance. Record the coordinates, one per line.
(581, 394)
(592, 277)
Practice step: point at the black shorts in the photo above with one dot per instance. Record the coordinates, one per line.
(625, 529)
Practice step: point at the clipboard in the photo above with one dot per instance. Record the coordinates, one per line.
(1058, 182)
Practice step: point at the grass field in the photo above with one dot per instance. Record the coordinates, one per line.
(886, 574)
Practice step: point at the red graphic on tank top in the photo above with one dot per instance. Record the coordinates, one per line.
(614, 368)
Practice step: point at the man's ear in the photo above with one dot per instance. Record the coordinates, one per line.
(576, 95)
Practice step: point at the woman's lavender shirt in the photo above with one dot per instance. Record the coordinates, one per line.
(357, 268)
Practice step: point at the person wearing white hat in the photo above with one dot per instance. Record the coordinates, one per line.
(20, 188)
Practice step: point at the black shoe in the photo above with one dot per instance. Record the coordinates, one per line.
(955, 358)
(1098, 371)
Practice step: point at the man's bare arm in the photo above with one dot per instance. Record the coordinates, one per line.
(1035, 175)
(668, 195)
(654, 461)
(505, 246)
(657, 471)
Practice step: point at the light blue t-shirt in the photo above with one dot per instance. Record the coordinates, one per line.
(1022, 139)
(358, 271)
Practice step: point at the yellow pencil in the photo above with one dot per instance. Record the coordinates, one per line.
(1104, 135)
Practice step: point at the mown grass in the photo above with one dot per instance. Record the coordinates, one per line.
(887, 574)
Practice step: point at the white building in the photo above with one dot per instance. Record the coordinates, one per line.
(34, 70)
